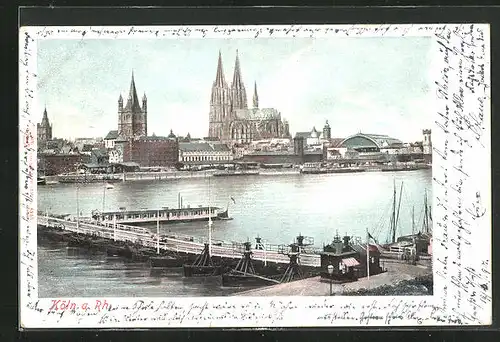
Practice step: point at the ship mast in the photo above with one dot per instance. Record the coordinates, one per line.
(209, 222)
(397, 218)
(103, 197)
(393, 218)
(426, 215)
(77, 209)
(413, 220)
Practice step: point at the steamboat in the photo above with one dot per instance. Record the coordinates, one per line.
(229, 173)
(163, 215)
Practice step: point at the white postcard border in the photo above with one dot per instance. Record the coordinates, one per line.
(461, 205)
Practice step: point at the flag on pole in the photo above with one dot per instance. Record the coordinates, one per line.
(370, 236)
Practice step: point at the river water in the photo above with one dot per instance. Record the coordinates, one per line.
(276, 208)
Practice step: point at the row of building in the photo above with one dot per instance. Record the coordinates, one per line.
(237, 131)
(158, 152)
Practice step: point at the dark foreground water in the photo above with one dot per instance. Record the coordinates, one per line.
(74, 272)
(276, 208)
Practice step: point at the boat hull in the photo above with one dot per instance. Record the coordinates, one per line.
(326, 171)
(245, 280)
(235, 174)
(171, 221)
(165, 262)
(201, 271)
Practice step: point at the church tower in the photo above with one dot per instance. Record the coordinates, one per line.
(255, 97)
(427, 143)
(327, 131)
(220, 103)
(238, 92)
(132, 119)
(44, 129)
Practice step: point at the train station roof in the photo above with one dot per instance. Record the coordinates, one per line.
(362, 140)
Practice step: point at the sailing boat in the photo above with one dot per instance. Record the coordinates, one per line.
(394, 216)
(419, 241)
(203, 264)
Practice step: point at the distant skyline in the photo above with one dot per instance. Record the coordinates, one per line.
(370, 85)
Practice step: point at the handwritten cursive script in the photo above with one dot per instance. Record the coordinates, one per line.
(460, 206)
(461, 90)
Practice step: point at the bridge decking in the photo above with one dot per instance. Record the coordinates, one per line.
(177, 243)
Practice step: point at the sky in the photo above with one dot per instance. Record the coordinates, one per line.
(370, 85)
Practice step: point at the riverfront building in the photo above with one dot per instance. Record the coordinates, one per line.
(55, 164)
(195, 153)
(230, 118)
(151, 151)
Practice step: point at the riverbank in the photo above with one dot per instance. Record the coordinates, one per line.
(400, 277)
(172, 175)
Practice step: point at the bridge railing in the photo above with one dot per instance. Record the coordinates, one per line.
(147, 239)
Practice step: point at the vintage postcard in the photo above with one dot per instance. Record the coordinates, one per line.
(255, 176)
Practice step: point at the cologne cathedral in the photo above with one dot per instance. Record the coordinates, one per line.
(232, 121)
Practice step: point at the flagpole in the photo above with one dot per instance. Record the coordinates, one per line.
(114, 227)
(77, 211)
(103, 197)
(368, 256)
(158, 232)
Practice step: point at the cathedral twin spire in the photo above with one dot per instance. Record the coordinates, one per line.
(219, 77)
(238, 92)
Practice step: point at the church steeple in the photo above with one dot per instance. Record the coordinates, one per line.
(45, 118)
(327, 131)
(219, 77)
(44, 128)
(239, 96)
(255, 96)
(144, 102)
(132, 119)
(133, 99)
(237, 72)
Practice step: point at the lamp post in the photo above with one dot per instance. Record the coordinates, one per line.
(330, 272)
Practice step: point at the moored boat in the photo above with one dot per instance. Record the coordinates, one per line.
(202, 266)
(236, 173)
(244, 275)
(164, 215)
(166, 261)
(238, 279)
(330, 170)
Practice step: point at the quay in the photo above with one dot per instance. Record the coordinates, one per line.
(112, 234)
(397, 273)
(178, 174)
